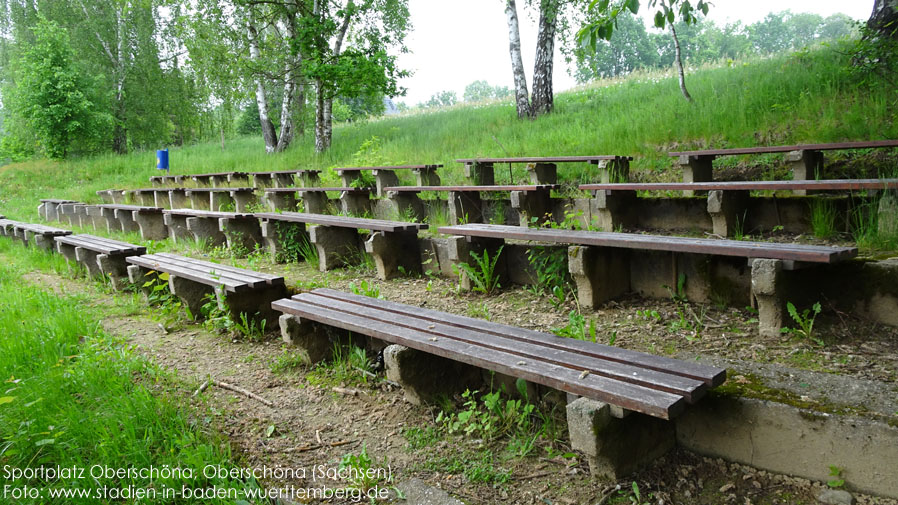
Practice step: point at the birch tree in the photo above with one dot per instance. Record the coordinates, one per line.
(522, 95)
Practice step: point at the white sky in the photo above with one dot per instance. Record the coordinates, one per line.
(455, 43)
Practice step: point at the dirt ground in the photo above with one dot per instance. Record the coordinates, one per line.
(316, 421)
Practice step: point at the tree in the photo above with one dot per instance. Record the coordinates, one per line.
(442, 99)
(522, 95)
(50, 96)
(607, 13)
(884, 19)
(481, 90)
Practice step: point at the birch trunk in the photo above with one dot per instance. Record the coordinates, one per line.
(324, 117)
(288, 102)
(543, 97)
(522, 99)
(884, 18)
(679, 64)
(268, 133)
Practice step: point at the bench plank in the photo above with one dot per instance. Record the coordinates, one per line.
(829, 184)
(214, 214)
(835, 146)
(102, 245)
(393, 167)
(233, 279)
(525, 188)
(546, 159)
(140, 208)
(343, 221)
(771, 250)
(315, 189)
(641, 399)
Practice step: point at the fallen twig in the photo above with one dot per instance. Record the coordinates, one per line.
(347, 391)
(237, 389)
(306, 448)
(202, 388)
(534, 475)
(366, 372)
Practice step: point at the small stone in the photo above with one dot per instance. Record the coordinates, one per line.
(726, 487)
(836, 497)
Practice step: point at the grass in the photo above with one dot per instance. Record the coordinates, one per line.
(803, 97)
(75, 396)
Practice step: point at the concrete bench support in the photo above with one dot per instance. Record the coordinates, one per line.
(465, 207)
(616, 446)
(48, 211)
(177, 227)
(767, 279)
(221, 201)
(314, 202)
(615, 209)
(88, 258)
(394, 250)
(112, 224)
(126, 220)
(696, 169)
(407, 204)
(199, 200)
(355, 203)
(206, 231)
(599, 273)
(256, 303)
(243, 199)
(461, 249)
(385, 179)
(81, 215)
(161, 199)
(727, 210)
(178, 199)
(115, 268)
(532, 205)
(39, 240)
(151, 224)
(241, 234)
(240, 179)
(336, 246)
(425, 377)
(281, 237)
(281, 201)
(192, 294)
(66, 214)
(480, 174)
(887, 223)
(95, 217)
(144, 198)
(614, 171)
(427, 176)
(543, 173)
(219, 181)
(314, 341)
(806, 165)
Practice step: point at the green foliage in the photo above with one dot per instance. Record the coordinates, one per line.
(805, 322)
(836, 481)
(442, 99)
(823, 218)
(479, 310)
(349, 366)
(366, 288)
(171, 310)
(484, 277)
(489, 417)
(577, 327)
(366, 474)
(552, 277)
(606, 14)
(51, 95)
(287, 361)
(217, 316)
(479, 91)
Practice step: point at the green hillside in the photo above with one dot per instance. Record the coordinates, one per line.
(804, 97)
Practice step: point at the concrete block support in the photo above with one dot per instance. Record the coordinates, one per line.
(480, 174)
(193, 294)
(66, 214)
(613, 171)
(355, 203)
(206, 231)
(243, 200)
(600, 273)
(220, 181)
(314, 202)
(221, 201)
(126, 219)
(282, 201)
(887, 222)
(199, 200)
(242, 234)
(42, 241)
(115, 268)
(616, 447)
(696, 169)
(806, 165)
(308, 180)
(88, 258)
(95, 217)
(42, 210)
(138, 276)
(81, 215)
(461, 249)
(728, 211)
(68, 252)
(161, 199)
(178, 199)
(425, 377)
(348, 177)
(113, 225)
(263, 180)
(766, 289)
(279, 236)
(152, 225)
(336, 246)
(177, 227)
(426, 176)
(407, 204)
(312, 339)
(144, 198)
(532, 205)
(385, 179)
(543, 173)
(614, 210)
(394, 250)
(255, 304)
(465, 207)
(240, 179)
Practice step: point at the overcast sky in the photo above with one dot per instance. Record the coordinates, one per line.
(455, 43)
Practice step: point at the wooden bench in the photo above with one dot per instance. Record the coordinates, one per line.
(112, 195)
(217, 199)
(8, 227)
(162, 180)
(727, 201)
(599, 262)
(101, 256)
(237, 230)
(426, 175)
(466, 205)
(127, 218)
(315, 201)
(433, 353)
(544, 170)
(36, 234)
(159, 197)
(806, 159)
(285, 178)
(47, 209)
(192, 280)
(392, 244)
(220, 179)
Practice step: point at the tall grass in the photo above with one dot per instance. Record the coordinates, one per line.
(808, 96)
(74, 396)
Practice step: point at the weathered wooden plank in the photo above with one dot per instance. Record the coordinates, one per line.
(637, 398)
(712, 376)
(140, 208)
(391, 167)
(191, 272)
(546, 159)
(102, 244)
(829, 184)
(342, 221)
(834, 146)
(214, 214)
(318, 190)
(220, 190)
(233, 272)
(770, 250)
(525, 188)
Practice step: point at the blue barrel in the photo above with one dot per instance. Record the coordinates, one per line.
(162, 159)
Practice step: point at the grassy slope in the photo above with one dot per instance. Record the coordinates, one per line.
(804, 97)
